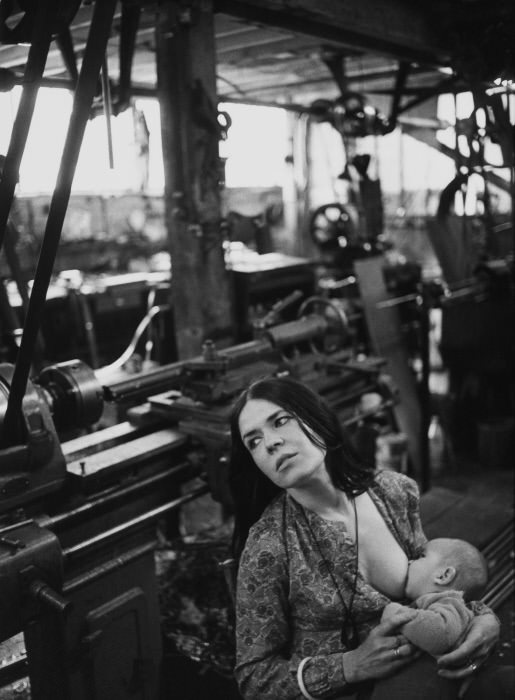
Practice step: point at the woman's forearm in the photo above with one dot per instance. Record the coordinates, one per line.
(276, 678)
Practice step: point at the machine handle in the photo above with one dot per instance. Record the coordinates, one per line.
(41, 591)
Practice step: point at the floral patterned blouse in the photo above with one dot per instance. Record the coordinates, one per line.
(288, 606)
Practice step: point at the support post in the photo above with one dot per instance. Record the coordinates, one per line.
(190, 134)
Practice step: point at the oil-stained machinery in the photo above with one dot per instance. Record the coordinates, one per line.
(78, 517)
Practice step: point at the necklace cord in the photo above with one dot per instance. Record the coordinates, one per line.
(350, 640)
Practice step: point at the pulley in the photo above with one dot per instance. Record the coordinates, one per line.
(332, 227)
(74, 394)
(333, 313)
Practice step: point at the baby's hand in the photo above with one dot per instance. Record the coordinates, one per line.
(393, 609)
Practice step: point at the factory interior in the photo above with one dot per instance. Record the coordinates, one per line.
(195, 194)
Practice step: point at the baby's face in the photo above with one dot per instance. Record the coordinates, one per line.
(421, 572)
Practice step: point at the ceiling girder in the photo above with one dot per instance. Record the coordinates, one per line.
(396, 28)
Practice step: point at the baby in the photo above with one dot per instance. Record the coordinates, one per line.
(450, 572)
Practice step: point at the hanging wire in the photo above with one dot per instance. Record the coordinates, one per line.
(131, 348)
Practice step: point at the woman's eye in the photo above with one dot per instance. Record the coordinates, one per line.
(281, 420)
(252, 444)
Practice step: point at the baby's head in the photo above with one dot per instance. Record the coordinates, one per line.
(448, 563)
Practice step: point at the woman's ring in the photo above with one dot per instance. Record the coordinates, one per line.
(397, 653)
(473, 666)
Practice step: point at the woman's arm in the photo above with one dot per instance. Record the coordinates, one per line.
(265, 668)
(481, 638)
(484, 630)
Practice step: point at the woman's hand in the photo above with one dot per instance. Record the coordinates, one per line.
(383, 652)
(480, 639)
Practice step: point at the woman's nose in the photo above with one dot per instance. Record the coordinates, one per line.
(273, 442)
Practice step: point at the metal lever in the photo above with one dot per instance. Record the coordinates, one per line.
(42, 592)
(272, 316)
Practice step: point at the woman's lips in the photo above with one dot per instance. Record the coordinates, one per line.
(282, 459)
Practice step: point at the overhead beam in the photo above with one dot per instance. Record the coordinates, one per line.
(389, 27)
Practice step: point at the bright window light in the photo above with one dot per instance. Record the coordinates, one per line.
(43, 151)
(256, 146)
(255, 149)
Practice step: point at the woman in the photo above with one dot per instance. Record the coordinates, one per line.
(323, 546)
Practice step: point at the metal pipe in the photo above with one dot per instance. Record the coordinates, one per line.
(77, 514)
(138, 521)
(503, 539)
(425, 393)
(11, 671)
(108, 567)
(108, 110)
(306, 328)
(504, 589)
(139, 386)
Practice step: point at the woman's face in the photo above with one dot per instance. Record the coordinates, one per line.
(278, 445)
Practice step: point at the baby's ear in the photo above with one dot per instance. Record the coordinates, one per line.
(445, 576)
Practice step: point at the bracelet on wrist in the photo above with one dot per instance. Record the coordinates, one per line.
(300, 679)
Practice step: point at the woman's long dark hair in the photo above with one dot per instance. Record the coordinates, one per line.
(251, 490)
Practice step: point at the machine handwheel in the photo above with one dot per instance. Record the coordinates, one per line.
(332, 225)
(334, 313)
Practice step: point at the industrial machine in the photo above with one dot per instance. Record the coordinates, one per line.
(79, 515)
(80, 508)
